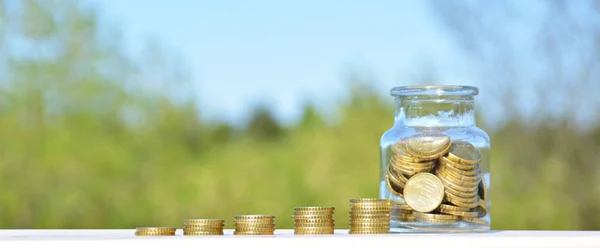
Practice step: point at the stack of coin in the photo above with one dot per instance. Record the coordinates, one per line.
(430, 169)
(401, 211)
(254, 224)
(200, 227)
(313, 220)
(155, 231)
(369, 216)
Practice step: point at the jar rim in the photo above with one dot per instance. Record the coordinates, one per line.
(435, 90)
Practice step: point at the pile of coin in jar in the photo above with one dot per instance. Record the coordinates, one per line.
(439, 179)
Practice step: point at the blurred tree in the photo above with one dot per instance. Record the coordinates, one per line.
(263, 125)
(87, 129)
(311, 118)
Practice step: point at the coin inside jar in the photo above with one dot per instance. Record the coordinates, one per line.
(464, 153)
(426, 145)
(424, 192)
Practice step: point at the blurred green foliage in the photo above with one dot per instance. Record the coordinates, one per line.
(94, 138)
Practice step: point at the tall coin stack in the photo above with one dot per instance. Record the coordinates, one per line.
(254, 224)
(313, 220)
(369, 216)
(439, 178)
(155, 231)
(201, 227)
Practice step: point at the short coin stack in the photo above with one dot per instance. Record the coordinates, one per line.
(401, 211)
(369, 216)
(430, 169)
(202, 227)
(313, 220)
(254, 224)
(155, 231)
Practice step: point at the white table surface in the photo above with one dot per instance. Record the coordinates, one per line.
(285, 238)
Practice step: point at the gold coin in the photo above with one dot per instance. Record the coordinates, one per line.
(253, 233)
(481, 209)
(461, 202)
(314, 209)
(367, 222)
(411, 165)
(468, 174)
(368, 231)
(204, 232)
(313, 233)
(462, 213)
(202, 224)
(154, 234)
(454, 186)
(155, 229)
(253, 216)
(369, 216)
(399, 152)
(397, 175)
(459, 193)
(370, 200)
(401, 211)
(453, 208)
(475, 221)
(393, 187)
(412, 171)
(419, 215)
(370, 208)
(444, 160)
(458, 179)
(443, 174)
(322, 224)
(424, 192)
(257, 230)
(464, 153)
(401, 215)
(203, 227)
(483, 190)
(254, 224)
(427, 144)
(313, 228)
(313, 220)
(254, 220)
(372, 229)
(437, 221)
(312, 216)
(369, 213)
(201, 233)
(205, 221)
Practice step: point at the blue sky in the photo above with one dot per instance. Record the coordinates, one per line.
(283, 53)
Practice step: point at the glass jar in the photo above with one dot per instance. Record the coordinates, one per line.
(435, 162)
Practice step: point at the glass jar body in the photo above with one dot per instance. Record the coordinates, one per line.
(435, 166)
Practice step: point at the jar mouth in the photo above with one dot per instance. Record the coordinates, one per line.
(435, 90)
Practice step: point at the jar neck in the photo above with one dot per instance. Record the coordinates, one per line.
(435, 111)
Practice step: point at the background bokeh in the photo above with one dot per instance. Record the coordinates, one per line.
(97, 136)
